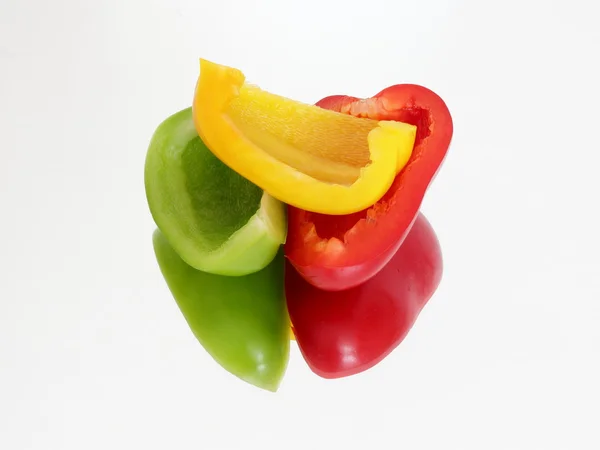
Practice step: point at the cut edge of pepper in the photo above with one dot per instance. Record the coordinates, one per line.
(390, 143)
(379, 107)
(268, 224)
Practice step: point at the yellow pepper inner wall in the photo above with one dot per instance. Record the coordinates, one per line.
(308, 157)
(328, 146)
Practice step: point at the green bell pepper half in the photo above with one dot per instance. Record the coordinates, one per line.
(215, 219)
(242, 322)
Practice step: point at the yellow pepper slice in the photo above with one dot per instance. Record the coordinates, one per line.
(315, 159)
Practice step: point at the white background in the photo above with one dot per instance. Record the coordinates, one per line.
(94, 354)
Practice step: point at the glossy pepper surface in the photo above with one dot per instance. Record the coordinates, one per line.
(341, 333)
(343, 251)
(215, 219)
(242, 322)
(310, 157)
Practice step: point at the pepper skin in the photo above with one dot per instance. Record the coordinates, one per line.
(342, 333)
(216, 220)
(242, 322)
(340, 252)
(302, 155)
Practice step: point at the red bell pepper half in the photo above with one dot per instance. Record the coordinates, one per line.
(341, 333)
(339, 252)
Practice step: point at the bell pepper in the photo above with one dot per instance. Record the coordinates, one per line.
(341, 333)
(343, 251)
(315, 159)
(242, 322)
(215, 219)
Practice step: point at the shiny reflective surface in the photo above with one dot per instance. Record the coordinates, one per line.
(342, 333)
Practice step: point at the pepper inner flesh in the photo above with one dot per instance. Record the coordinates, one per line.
(338, 230)
(328, 146)
(211, 187)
